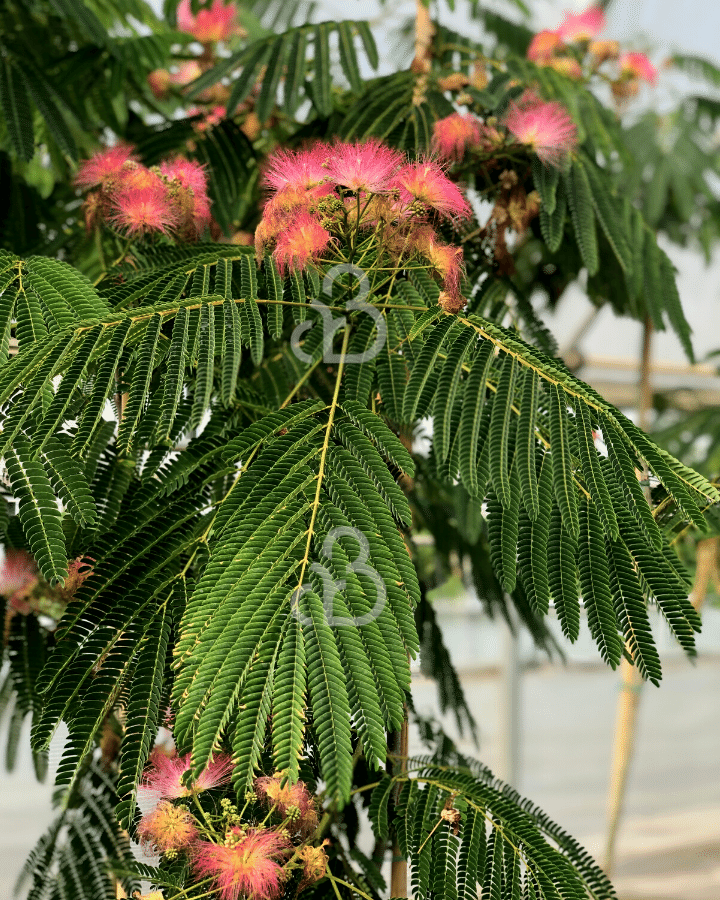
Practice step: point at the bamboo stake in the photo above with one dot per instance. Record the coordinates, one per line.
(398, 870)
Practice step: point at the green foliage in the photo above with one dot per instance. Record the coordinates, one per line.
(465, 831)
(249, 512)
(73, 857)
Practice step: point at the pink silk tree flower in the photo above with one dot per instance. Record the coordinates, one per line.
(546, 127)
(167, 827)
(104, 166)
(248, 865)
(187, 182)
(582, 27)
(638, 65)
(603, 50)
(300, 243)
(159, 81)
(454, 134)
(543, 45)
(140, 211)
(209, 26)
(296, 168)
(445, 259)
(18, 577)
(425, 182)
(135, 177)
(187, 71)
(189, 174)
(164, 775)
(287, 799)
(363, 166)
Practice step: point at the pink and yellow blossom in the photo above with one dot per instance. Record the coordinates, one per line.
(582, 26)
(637, 65)
(167, 827)
(209, 26)
(603, 50)
(187, 182)
(287, 798)
(426, 183)
(165, 774)
(159, 82)
(186, 72)
(546, 127)
(248, 865)
(567, 66)
(362, 166)
(18, 578)
(543, 45)
(296, 168)
(300, 243)
(455, 134)
(444, 258)
(139, 211)
(105, 166)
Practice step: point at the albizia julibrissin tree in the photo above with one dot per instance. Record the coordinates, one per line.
(210, 453)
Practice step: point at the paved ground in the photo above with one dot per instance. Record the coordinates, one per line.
(669, 846)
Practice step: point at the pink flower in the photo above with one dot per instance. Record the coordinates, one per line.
(426, 183)
(583, 26)
(445, 259)
(189, 174)
(164, 775)
(159, 81)
(248, 866)
(454, 134)
(638, 65)
(18, 578)
(296, 168)
(187, 183)
(167, 827)
(104, 166)
(142, 210)
(543, 46)
(79, 570)
(603, 50)
(135, 177)
(210, 25)
(187, 71)
(287, 798)
(546, 127)
(300, 243)
(363, 166)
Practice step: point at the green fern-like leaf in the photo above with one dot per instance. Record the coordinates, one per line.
(39, 515)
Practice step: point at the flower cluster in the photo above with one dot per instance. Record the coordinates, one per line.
(250, 853)
(170, 199)
(330, 199)
(28, 593)
(573, 48)
(545, 127)
(213, 23)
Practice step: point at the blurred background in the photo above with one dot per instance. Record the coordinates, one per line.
(550, 725)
